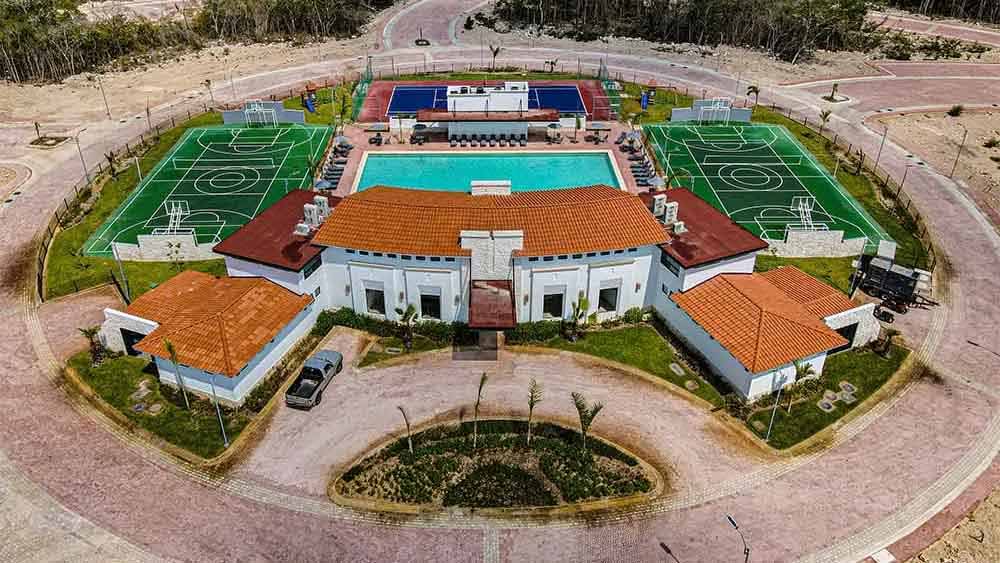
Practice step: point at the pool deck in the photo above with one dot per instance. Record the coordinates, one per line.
(359, 138)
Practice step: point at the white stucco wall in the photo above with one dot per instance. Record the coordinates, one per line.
(629, 271)
(668, 282)
(868, 326)
(492, 252)
(234, 390)
(722, 363)
(115, 321)
(345, 277)
(294, 281)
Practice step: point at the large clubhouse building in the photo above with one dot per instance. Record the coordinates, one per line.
(492, 261)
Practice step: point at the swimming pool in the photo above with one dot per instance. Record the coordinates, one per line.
(455, 171)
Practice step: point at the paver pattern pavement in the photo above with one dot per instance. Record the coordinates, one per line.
(883, 476)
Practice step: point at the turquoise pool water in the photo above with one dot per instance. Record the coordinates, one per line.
(455, 171)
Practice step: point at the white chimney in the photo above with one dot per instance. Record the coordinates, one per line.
(679, 228)
(659, 203)
(311, 214)
(324, 206)
(670, 212)
(302, 229)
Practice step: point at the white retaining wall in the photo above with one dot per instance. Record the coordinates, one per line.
(162, 248)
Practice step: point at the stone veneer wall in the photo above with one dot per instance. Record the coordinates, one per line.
(816, 244)
(158, 248)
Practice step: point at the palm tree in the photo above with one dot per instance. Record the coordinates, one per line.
(754, 90)
(824, 117)
(494, 51)
(406, 420)
(833, 93)
(802, 371)
(96, 348)
(177, 370)
(580, 308)
(587, 414)
(475, 414)
(407, 317)
(534, 397)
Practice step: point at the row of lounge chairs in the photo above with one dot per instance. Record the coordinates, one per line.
(642, 170)
(492, 140)
(333, 168)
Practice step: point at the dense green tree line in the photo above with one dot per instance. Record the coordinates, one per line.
(45, 40)
(789, 29)
(978, 10)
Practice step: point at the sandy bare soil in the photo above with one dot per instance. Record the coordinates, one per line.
(151, 9)
(975, 540)
(78, 98)
(936, 137)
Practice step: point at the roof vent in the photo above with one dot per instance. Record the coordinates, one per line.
(679, 228)
(323, 205)
(302, 229)
(314, 213)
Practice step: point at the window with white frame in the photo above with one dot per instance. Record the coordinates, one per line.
(375, 301)
(607, 300)
(552, 305)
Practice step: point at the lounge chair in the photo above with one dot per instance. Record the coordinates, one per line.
(474, 140)
(523, 140)
(376, 140)
(493, 140)
(453, 141)
(463, 141)
(621, 138)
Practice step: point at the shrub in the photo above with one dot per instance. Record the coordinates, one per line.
(456, 333)
(540, 331)
(633, 316)
(992, 143)
(498, 485)
(956, 110)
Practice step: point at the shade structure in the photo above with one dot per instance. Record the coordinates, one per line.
(323, 185)
(341, 140)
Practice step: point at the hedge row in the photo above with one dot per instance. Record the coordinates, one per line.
(456, 333)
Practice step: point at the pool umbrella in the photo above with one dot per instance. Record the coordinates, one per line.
(420, 126)
(657, 182)
(341, 140)
(323, 185)
(634, 136)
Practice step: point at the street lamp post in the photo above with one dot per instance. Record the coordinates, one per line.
(107, 107)
(878, 157)
(666, 549)
(746, 547)
(83, 162)
(960, 149)
(905, 172)
(218, 411)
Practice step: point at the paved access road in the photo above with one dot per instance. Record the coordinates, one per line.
(77, 489)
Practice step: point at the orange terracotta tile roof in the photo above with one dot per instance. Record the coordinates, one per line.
(818, 297)
(215, 324)
(554, 222)
(758, 323)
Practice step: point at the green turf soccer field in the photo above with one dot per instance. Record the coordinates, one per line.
(762, 177)
(213, 181)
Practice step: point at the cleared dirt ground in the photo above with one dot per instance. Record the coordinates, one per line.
(975, 540)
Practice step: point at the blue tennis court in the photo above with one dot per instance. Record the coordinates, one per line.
(411, 99)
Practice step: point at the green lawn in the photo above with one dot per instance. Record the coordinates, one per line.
(860, 186)
(329, 102)
(865, 369)
(377, 352)
(196, 430)
(69, 271)
(834, 271)
(659, 107)
(641, 347)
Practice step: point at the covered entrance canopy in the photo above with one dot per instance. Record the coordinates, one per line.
(491, 305)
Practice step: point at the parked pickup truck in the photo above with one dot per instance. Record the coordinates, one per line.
(307, 389)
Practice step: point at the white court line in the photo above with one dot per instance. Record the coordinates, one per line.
(186, 172)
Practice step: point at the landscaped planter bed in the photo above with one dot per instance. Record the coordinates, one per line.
(502, 471)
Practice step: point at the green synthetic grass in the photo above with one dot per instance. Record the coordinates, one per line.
(901, 228)
(753, 173)
(641, 347)
(499, 75)
(862, 367)
(329, 102)
(226, 175)
(659, 108)
(195, 430)
(69, 271)
(833, 271)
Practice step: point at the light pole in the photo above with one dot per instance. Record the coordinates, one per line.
(746, 548)
(981, 347)
(960, 148)
(107, 108)
(83, 163)
(211, 96)
(770, 425)
(878, 157)
(218, 411)
(905, 172)
(666, 549)
(232, 84)
(138, 170)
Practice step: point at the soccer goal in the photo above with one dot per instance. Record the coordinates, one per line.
(803, 207)
(177, 210)
(716, 110)
(257, 114)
